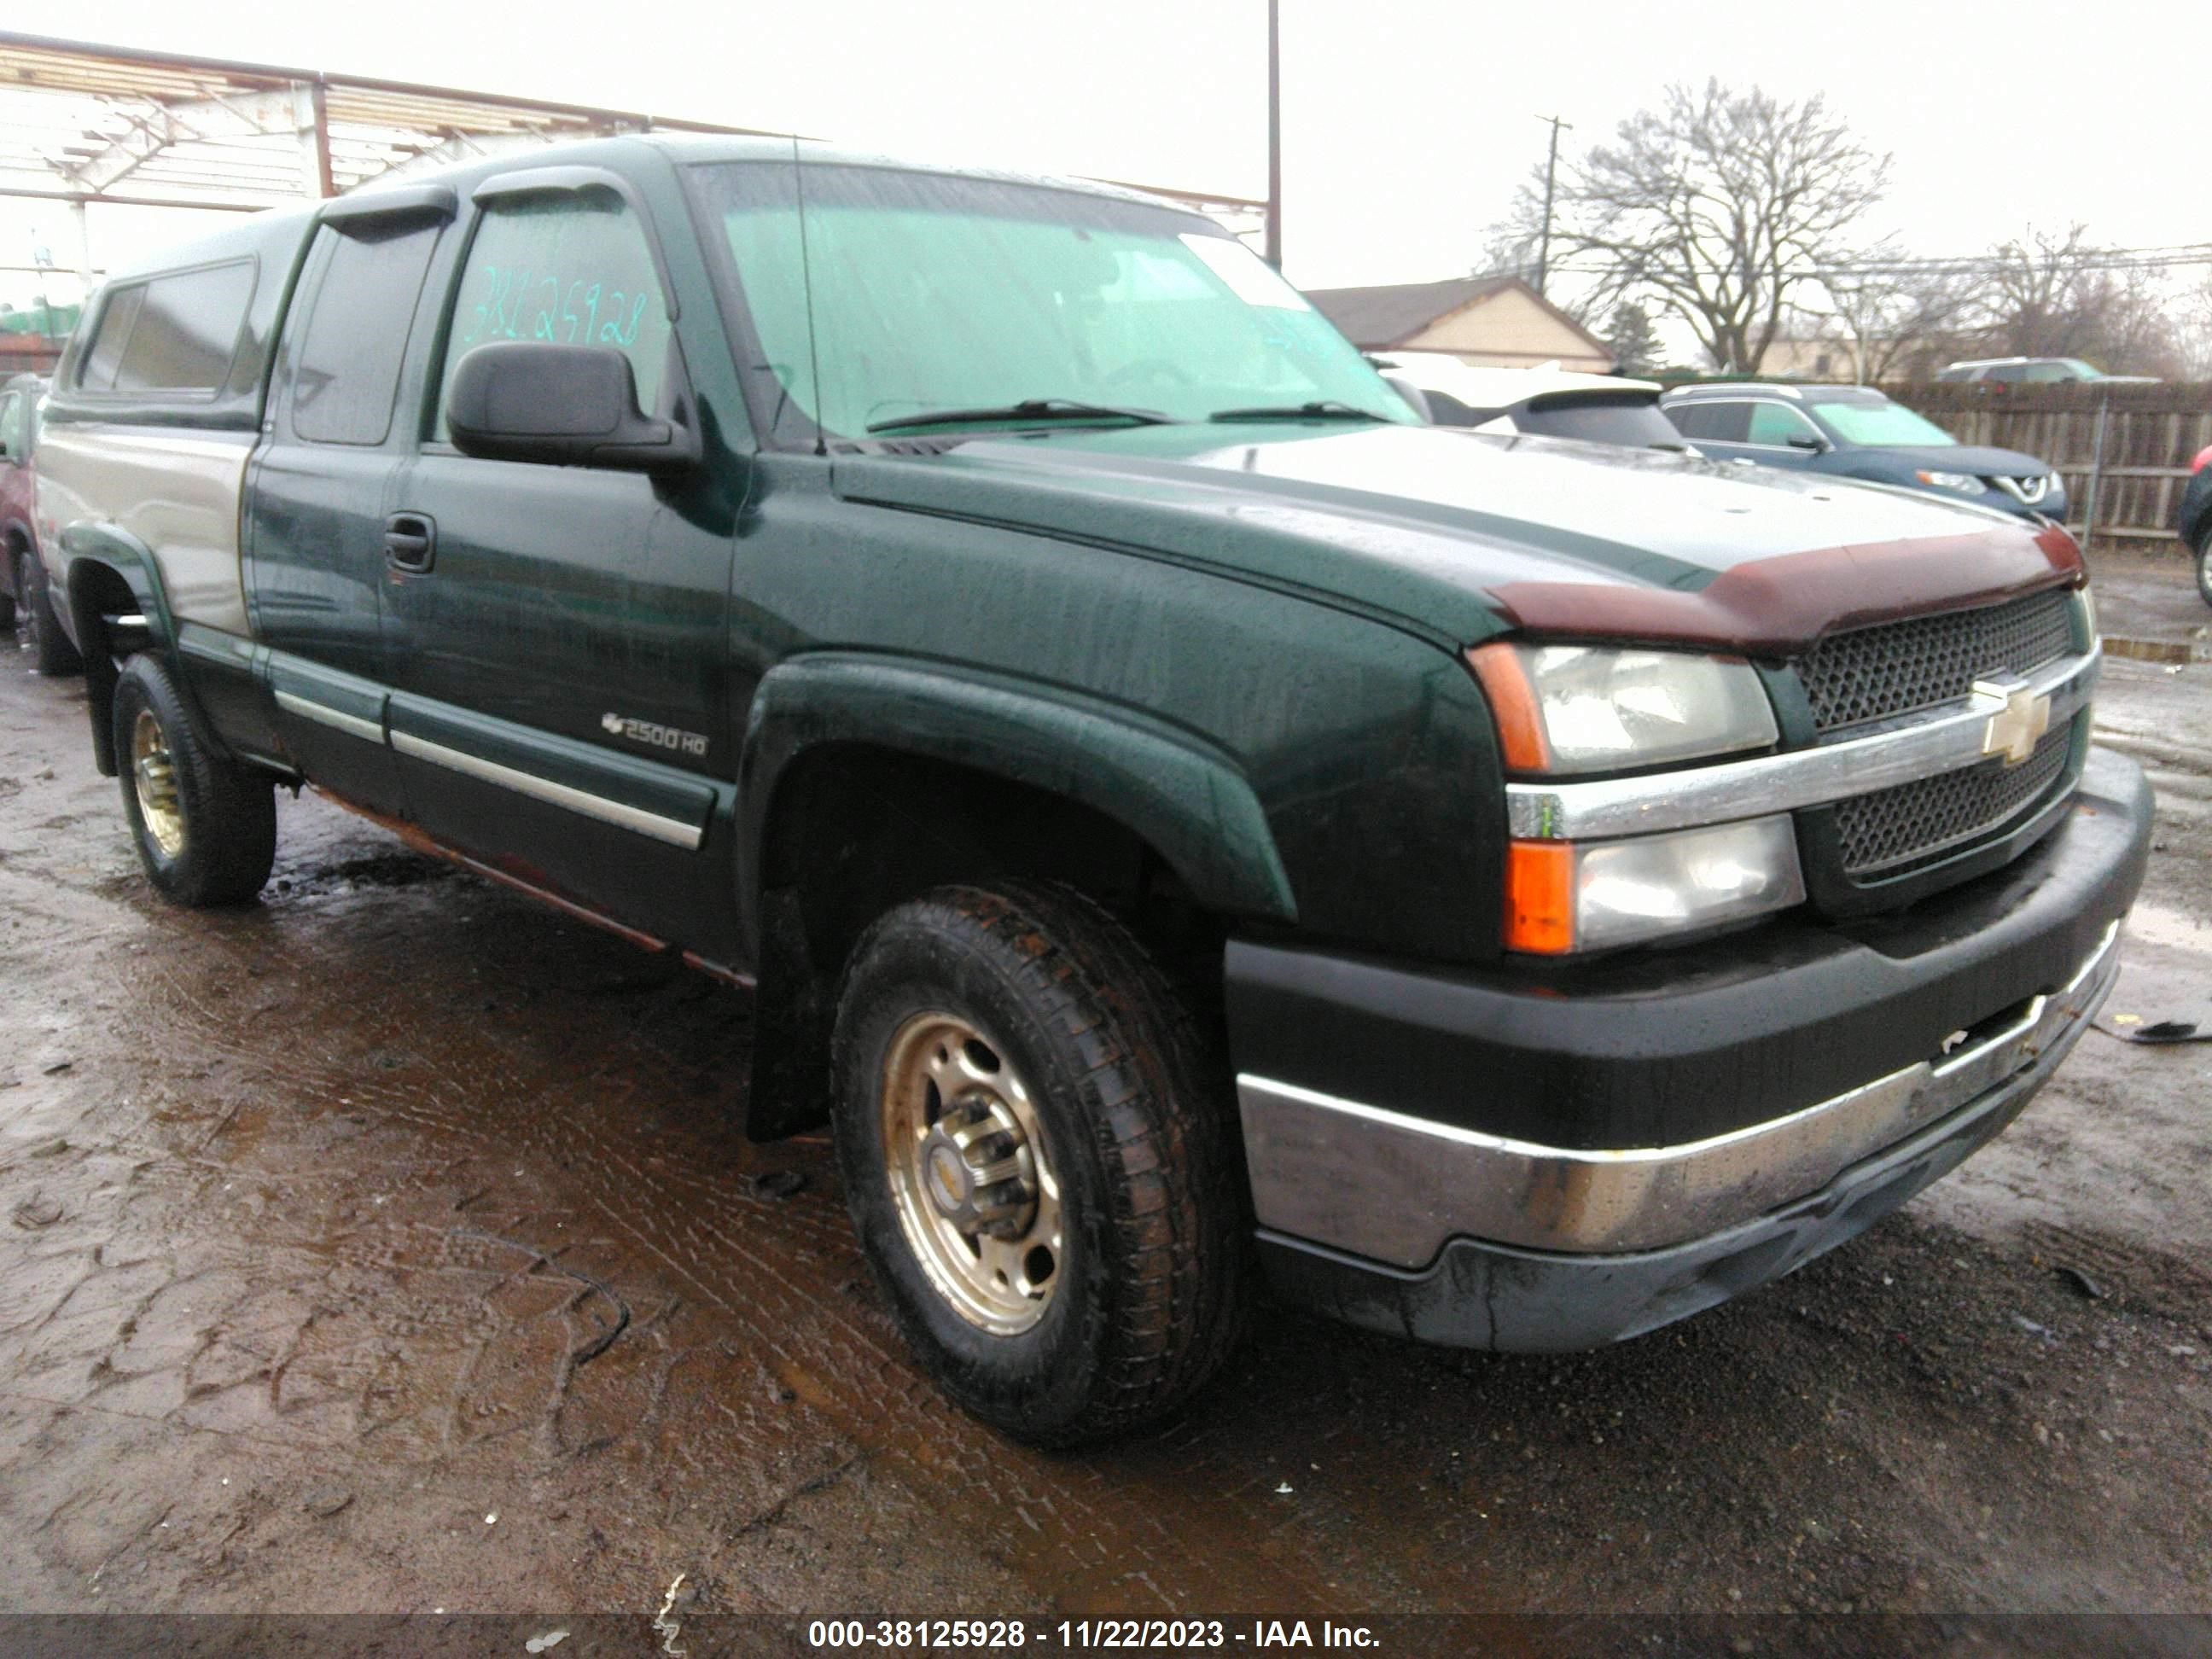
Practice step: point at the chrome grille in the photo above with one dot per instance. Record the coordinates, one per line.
(1892, 832)
(1870, 673)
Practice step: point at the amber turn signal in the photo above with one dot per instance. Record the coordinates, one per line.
(1540, 897)
(1505, 681)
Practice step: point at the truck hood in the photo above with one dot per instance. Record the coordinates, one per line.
(1459, 536)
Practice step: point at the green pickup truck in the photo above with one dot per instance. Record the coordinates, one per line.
(1183, 822)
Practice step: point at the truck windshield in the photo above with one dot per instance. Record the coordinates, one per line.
(935, 296)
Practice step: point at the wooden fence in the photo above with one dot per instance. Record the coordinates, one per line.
(2151, 433)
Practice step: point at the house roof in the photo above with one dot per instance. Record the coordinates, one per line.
(1373, 318)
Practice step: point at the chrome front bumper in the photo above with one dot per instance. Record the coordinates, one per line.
(1393, 1189)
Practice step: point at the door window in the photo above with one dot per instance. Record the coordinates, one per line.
(12, 426)
(1777, 424)
(1715, 423)
(574, 269)
(347, 367)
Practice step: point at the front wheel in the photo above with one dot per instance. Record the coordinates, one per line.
(2204, 565)
(205, 826)
(1036, 1160)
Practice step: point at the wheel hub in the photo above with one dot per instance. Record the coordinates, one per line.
(154, 774)
(981, 1174)
(975, 1191)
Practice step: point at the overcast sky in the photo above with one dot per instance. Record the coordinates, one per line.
(1407, 122)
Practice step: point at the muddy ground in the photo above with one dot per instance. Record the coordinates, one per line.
(391, 1246)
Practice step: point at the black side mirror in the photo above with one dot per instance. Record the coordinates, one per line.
(1811, 446)
(565, 406)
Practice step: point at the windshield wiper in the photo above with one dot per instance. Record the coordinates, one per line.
(1033, 409)
(1328, 410)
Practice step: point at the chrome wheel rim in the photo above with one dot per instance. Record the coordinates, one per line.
(971, 1179)
(154, 774)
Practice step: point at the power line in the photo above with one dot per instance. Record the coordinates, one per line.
(2176, 256)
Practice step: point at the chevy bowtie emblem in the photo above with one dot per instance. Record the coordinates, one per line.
(2015, 729)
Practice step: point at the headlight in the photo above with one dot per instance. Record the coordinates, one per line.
(1965, 482)
(1562, 896)
(1567, 708)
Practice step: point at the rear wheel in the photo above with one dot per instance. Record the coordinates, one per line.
(54, 652)
(1037, 1161)
(205, 826)
(2204, 564)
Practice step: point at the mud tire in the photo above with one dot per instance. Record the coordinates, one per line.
(1135, 1111)
(53, 654)
(228, 812)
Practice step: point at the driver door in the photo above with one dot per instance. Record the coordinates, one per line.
(554, 635)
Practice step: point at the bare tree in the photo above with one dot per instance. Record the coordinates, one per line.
(1715, 207)
(2066, 296)
(1896, 316)
(2195, 330)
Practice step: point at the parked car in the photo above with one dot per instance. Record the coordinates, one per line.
(1856, 432)
(1547, 401)
(1175, 812)
(2194, 520)
(23, 577)
(2035, 371)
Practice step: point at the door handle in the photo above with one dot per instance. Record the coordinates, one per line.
(410, 541)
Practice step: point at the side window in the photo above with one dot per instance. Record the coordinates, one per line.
(2010, 374)
(112, 334)
(1714, 423)
(186, 330)
(346, 368)
(2046, 373)
(574, 269)
(12, 426)
(1776, 424)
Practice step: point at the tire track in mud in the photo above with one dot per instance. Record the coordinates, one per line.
(776, 1274)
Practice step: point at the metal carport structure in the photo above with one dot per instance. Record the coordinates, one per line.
(84, 125)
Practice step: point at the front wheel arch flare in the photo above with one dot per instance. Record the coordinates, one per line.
(1172, 790)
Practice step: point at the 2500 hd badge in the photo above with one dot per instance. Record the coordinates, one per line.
(1183, 821)
(658, 736)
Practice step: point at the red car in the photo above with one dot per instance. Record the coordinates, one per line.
(2195, 520)
(22, 574)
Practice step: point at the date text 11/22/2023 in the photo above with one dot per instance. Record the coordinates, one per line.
(1159, 1634)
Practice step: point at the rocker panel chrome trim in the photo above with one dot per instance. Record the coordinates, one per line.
(674, 831)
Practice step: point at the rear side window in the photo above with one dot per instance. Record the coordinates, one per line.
(14, 428)
(112, 334)
(1712, 422)
(346, 369)
(572, 268)
(186, 330)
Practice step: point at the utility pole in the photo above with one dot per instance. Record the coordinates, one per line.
(1550, 175)
(1274, 234)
